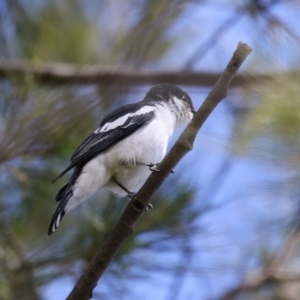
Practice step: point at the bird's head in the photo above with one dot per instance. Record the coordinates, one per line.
(178, 100)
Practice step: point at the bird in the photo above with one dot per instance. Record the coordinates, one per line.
(126, 147)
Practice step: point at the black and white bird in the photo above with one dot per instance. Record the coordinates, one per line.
(116, 155)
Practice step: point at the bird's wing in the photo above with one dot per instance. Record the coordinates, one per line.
(115, 127)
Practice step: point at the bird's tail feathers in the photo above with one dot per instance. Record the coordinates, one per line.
(58, 215)
(61, 193)
(63, 196)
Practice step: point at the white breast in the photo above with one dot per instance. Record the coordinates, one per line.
(147, 145)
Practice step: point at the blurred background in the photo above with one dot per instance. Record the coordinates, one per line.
(226, 224)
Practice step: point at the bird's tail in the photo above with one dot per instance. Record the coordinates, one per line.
(61, 193)
(63, 197)
(58, 215)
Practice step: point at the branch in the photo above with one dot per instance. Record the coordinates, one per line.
(124, 228)
(61, 73)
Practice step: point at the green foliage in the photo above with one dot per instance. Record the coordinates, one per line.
(156, 18)
(279, 112)
(271, 129)
(58, 32)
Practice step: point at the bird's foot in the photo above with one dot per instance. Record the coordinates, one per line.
(149, 207)
(152, 167)
(131, 195)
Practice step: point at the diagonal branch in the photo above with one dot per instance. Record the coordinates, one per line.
(124, 228)
(62, 73)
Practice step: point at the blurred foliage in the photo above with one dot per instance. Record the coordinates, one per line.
(58, 34)
(40, 127)
(271, 130)
(158, 17)
(278, 114)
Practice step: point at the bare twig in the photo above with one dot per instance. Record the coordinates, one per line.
(123, 229)
(61, 73)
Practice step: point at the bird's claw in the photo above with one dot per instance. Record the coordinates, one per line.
(149, 207)
(132, 196)
(154, 168)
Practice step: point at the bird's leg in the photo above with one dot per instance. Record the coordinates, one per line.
(152, 167)
(131, 163)
(131, 195)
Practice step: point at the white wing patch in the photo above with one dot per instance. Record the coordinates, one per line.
(120, 121)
